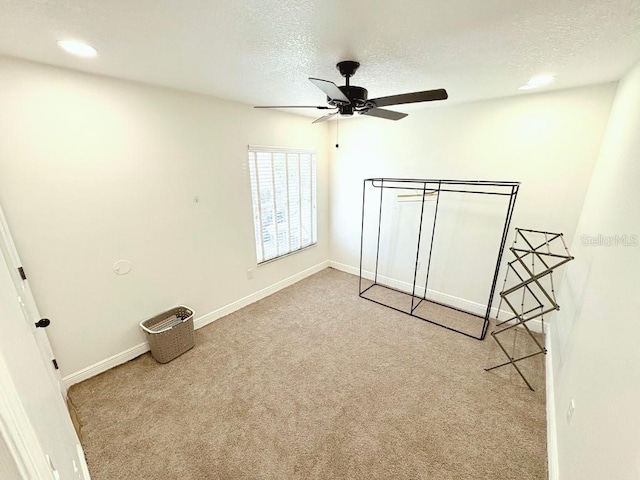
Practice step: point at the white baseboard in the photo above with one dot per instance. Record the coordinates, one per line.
(457, 302)
(133, 352)
(259, 295)
(104, 365)
(137, 350)
(552, 438)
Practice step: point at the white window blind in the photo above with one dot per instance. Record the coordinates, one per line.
(283, 192)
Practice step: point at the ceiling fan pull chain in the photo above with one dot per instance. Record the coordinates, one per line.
(337, 134)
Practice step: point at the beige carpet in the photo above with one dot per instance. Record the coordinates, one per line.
(316, 383)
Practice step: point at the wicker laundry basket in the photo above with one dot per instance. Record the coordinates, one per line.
(170, 334)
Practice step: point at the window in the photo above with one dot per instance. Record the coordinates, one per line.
(283, 191)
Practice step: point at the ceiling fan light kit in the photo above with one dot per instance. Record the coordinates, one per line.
(349, 99)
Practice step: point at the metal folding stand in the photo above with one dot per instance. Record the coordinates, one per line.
(536, 298)
(431, 187)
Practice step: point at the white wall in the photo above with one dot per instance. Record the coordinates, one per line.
(597, 332)
(547, 141)
(93, 170)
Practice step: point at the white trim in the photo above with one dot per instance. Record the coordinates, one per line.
(259, 295)
(84, 468)
(276, 188)
(552, 437)
(292, 252)
(10, 459)
(104, 365)
(462, 303)
(137, 350)
(258, 226)
(17, 431)
(275, 201)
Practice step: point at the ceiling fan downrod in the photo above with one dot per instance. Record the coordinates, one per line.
(347, 69)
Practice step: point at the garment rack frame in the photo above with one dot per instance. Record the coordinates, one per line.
(435, 187)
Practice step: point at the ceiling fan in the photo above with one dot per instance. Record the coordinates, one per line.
(348, 99)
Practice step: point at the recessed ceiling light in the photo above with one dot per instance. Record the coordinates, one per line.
(537, 81)
(77, 48)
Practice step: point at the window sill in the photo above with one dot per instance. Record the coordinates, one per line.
(287, 254)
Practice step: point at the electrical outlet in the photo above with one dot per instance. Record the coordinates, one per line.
(250, 273)
(570, 410)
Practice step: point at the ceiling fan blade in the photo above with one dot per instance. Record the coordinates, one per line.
(382, 113)
(325, 118)
(415, 97)
(293, 106)
(330, 89)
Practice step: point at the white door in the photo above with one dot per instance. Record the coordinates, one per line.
(34, 420)
(9, 254)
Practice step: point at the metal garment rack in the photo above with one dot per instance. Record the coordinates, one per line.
(529, 281)
(430, 187)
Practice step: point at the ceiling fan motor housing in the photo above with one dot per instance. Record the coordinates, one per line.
(356, 95)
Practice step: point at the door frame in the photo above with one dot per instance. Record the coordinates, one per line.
(17, 431)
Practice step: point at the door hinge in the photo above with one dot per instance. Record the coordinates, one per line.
(55, 364)
(22, 274)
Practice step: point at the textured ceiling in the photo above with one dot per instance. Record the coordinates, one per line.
(262, 51)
